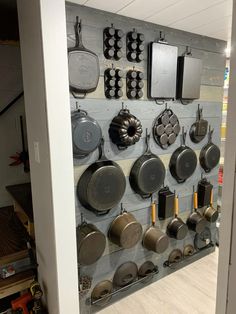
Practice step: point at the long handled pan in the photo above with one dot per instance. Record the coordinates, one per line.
(154, 239)
(196, 222)
(148, 173)
(211, 214)
(83, 66)
(102, 185)
(176, 228)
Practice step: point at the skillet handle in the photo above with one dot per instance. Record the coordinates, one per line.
(176, 206)
(195, 200)
(78, 95)
(211, 198)
(153, 213)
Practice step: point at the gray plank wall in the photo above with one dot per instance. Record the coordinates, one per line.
(211, 51)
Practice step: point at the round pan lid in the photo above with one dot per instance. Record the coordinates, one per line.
(86, 134)
(125, 274)
(102, 289)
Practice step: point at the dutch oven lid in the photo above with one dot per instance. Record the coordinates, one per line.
(91, 244)
(210, 154)
(125, 274)
(146, 269)
(86, 133)
(183, 161)
(102, 289)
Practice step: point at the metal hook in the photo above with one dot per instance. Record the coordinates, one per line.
(122, 209)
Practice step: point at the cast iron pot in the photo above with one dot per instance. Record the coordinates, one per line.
(125, 274)
(147, 174)
(125, 129)
(91, 244)
(102, 185)
(211, 214)
(125, 230)
(176, 228)
(83, 66)
(210, 154)
(86, 134)
(183, 162)
(154, 239)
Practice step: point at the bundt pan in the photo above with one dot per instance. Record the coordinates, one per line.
(125, 129)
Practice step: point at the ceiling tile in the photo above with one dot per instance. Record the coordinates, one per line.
(180, 10)
(206, 16)
(110, 6)
(140, 9)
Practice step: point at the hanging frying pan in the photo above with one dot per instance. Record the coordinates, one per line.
(83, 66)
(154, 239)
(210, 154)
(196, 222)
(102, 185)
(198, 129)
(148, 173)
(125, 274)
(183, 161)
(176, 228)
(211, 214)
(125, 230)
(91, 244)
(86, 133)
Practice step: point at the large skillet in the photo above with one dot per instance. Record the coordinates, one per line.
(148, 173)
(83, 66)
(102, 185)
(210, 154)
(183, 161)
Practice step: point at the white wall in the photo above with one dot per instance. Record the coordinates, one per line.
(10, 138)
(45, 74)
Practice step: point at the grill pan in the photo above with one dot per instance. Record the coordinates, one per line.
(83, 66)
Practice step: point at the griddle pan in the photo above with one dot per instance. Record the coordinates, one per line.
(83, 66)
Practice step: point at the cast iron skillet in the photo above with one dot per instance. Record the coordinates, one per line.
(102, 185)
(183, 161)
(83, 66)
(210, 154)
(148, 173)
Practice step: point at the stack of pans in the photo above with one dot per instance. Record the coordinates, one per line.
(166, 128)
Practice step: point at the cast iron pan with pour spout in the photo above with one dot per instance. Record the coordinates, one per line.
(148, 173)
(83, 66)
(183, 161)
(210, 154)
(102, 184)
(196, 222)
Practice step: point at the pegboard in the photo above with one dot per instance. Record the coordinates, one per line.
(211, 51)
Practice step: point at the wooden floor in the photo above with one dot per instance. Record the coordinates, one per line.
(191, 290)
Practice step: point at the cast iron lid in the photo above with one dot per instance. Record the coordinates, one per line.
(102, 185)
(102, 289)
(125, 129)
(148, 173)
(91, 243)
(210, 154)
(183, 161)
(83, 65)
(198, 130)
(146, 269)
(86, 133)
(166, 128)
(125, 274)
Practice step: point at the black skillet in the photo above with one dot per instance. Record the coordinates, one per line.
(83, 66)
(102, 184)
(148, 173)
(183, 161)
(210, 154)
